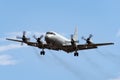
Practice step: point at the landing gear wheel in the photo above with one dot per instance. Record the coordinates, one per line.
(42, 53)
(76, 54)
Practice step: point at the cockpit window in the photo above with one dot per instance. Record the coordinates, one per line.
(50, 33)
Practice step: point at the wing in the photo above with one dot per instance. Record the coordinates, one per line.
(28, 43)
(35, 44)
(102, 44)
(70, 48)
(92, 46)
(14, 40)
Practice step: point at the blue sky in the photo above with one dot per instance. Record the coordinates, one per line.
(100, 18)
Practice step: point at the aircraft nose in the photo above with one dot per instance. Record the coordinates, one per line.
(47, 38)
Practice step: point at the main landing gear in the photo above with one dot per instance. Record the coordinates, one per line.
(76, 54)
(42, 52)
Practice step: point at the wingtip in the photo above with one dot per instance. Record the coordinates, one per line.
(7, 39)
(111, 43)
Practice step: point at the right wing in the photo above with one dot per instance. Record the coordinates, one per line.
(35, 44)
(14, 40)
(28, 43)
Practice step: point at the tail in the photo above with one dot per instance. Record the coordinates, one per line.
(75, 35)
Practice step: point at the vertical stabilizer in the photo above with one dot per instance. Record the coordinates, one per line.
(75, 35)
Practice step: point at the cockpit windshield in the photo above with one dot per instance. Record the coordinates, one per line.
(50, 33)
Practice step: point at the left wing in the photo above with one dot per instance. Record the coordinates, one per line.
(101, 44)
(70, 48)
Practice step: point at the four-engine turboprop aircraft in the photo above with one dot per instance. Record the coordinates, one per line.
(55, 41)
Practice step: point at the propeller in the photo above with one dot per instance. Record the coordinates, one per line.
(24, 38)
(72, 37)
(38, 39)
(72, 40)
(88, 39)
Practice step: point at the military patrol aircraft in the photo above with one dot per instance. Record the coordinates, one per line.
(55, 41)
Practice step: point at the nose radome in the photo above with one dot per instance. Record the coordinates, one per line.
(47, 36)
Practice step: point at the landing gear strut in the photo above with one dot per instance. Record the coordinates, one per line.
(76, 54)
(42, 52)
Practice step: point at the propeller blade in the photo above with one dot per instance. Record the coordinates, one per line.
(24, 33)
(34, 37)
(90, 36)
(83, 38)
(71, 36)
(41, 37)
